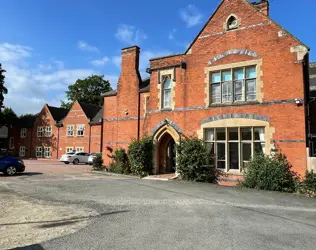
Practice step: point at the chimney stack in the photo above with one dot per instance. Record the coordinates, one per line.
(263, 6)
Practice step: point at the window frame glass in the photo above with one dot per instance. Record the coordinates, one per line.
(22, 152)
(11, 143)
(47, 152)
(221, 144)
(165, 90)
(23, 133)
(39, 151)
(48, 131)
(70, 130)
(224, 85)
(80, 128)
(40, 131)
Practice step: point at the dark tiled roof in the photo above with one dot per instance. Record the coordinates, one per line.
(57, 113)
(98, 116)
(110, 93)
(145, 89)
(27, 121)
(90, 110)
(312, 76)
(162, 57)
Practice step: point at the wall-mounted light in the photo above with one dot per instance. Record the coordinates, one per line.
(126, 112)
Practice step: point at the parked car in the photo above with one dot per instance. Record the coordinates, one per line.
(75, 158)
(10, 165)
(92, 157)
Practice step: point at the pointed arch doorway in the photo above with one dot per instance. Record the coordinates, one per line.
(165, 139)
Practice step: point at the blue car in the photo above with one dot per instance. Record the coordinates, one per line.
(10, 165)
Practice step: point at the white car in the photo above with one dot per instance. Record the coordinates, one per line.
(75, 158)
(91, 158)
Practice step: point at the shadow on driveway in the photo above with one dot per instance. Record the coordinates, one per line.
(31, 247)
(64, 222)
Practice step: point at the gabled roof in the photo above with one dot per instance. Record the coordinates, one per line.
(57, 113)
(90, 110)
(97, 119)
(110, 93)
(255, 10)
(312, 75)
(27, 121)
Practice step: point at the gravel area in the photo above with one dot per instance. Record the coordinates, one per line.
(24, 222)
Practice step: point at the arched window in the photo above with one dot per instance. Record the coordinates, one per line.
(166, 92)
(232, 23)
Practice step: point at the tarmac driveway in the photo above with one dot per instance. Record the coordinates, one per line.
(129, 213)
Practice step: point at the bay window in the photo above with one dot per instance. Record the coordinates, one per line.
(232, 148)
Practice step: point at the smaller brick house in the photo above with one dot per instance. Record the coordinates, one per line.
(80, 129)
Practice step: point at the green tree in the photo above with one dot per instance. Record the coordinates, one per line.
(88, 90)
(9, 116)
(3, 91)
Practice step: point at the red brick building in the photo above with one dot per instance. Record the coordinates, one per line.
(242, 86)
(54, 131)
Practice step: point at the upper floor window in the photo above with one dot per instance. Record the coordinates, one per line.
(40, 131)
(233, 85)
(48, 131)
(23, 132)
(166, 92)
(70, 130)
(80, 130)
(232, 23)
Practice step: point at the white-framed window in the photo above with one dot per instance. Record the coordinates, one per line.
(23, 132)
(39, 152)
(233, 85)
(40, 131)
(166, 92)
(79, 149)
(80, 130)
(70, 130)
(232, 23)
(232, 148)
(11, 143)
(22, 151)
(69, 149)
(48, 131)
(47, 152)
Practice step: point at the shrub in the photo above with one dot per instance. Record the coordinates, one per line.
(193, 161)
(98, 162)
(120, 163)
(308, 186)
(270, 173)
(140, 154)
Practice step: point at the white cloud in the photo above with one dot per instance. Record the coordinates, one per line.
(172, 34)
(29, 88)
(117, 60)
(82, 45)
(13, 52)
(100, 62)
(191, 15)
(130, 35)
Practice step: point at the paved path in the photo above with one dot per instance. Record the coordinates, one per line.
(150, 214)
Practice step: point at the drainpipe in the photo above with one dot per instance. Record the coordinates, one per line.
(57, 141)
(138, 117)
(90, 138)
(101, 139)
(31, 142)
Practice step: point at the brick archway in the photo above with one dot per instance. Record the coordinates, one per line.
(165, 140)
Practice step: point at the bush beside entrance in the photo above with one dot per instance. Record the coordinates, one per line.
(193, 161)
(140, 154)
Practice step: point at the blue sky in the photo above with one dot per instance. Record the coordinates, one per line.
(47, 45)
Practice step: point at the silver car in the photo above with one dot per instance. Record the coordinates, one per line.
(92, 157)
(75, 158)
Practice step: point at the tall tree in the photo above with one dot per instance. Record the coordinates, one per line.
(3, 91)
(9, 116)
(88, 90)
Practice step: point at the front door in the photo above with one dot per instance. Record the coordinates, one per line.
(167, 154)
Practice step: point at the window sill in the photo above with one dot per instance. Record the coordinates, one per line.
(166, 110)
(225, 104)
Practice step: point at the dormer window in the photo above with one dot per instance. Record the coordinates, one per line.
(232, 23)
